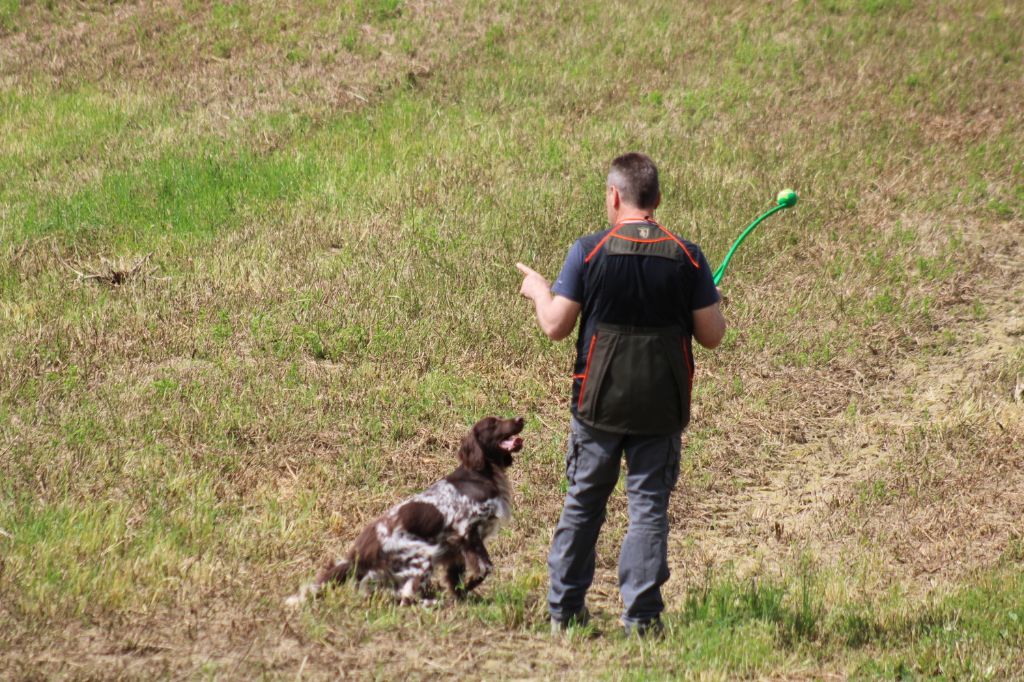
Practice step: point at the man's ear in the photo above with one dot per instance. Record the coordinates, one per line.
(616, 198)
(658, 202)
(471, 454)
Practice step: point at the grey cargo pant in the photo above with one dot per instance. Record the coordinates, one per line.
(592, 467)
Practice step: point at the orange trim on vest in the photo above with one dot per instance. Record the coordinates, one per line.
(597, 248)
(586, 370)
(680, 243)
(614, 233)
(643, 241)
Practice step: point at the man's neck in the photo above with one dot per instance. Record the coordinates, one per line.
(628, 214)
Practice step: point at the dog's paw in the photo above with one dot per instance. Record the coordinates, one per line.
(483, 569)
(410, 593)
(474, 583)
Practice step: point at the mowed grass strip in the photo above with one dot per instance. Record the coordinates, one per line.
(327, 314)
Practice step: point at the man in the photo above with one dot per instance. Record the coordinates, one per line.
(643, 293)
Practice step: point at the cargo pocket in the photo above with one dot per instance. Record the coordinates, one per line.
(599, 355)
(672, 469)
(571, 458)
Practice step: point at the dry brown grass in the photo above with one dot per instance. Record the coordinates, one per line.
(250, 58)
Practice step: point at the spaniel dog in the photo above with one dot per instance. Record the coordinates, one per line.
(443, 528)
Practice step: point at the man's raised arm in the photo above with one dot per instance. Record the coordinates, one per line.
(556, 315)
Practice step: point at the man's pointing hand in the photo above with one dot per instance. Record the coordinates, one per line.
(534, 284)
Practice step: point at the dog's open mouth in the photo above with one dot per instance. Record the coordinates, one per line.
(513, 444)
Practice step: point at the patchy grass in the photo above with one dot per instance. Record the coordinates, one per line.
(328, 199)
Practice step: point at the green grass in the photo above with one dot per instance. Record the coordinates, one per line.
(330, 301)
(187, 196)
(9, 10)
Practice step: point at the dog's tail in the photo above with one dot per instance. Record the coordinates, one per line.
(333, 572)
(336, 571)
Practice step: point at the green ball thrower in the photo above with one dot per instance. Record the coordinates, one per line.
(785, 199)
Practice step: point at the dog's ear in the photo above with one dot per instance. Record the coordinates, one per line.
(471, 454)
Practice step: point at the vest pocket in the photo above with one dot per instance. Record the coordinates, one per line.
(636, 381)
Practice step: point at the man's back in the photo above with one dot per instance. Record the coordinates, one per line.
(635, 276)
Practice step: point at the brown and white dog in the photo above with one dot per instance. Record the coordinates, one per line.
(444, 527)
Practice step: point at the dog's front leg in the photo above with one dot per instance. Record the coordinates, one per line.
(454, 573)
(477, 561)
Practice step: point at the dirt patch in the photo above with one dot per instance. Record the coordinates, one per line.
(927, 479)
(210, 634)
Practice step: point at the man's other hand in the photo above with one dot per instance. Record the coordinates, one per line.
(709, 325)
(534, 285)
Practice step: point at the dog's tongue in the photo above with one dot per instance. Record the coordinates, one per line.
(512, 444)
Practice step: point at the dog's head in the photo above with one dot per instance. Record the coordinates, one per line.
(491, 441)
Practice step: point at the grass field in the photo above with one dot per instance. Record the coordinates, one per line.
(256, 280)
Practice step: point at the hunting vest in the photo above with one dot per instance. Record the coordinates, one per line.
(634, 361)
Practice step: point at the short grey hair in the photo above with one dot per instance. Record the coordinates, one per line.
(636, 177)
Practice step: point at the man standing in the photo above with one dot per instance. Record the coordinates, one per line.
(644, 293)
